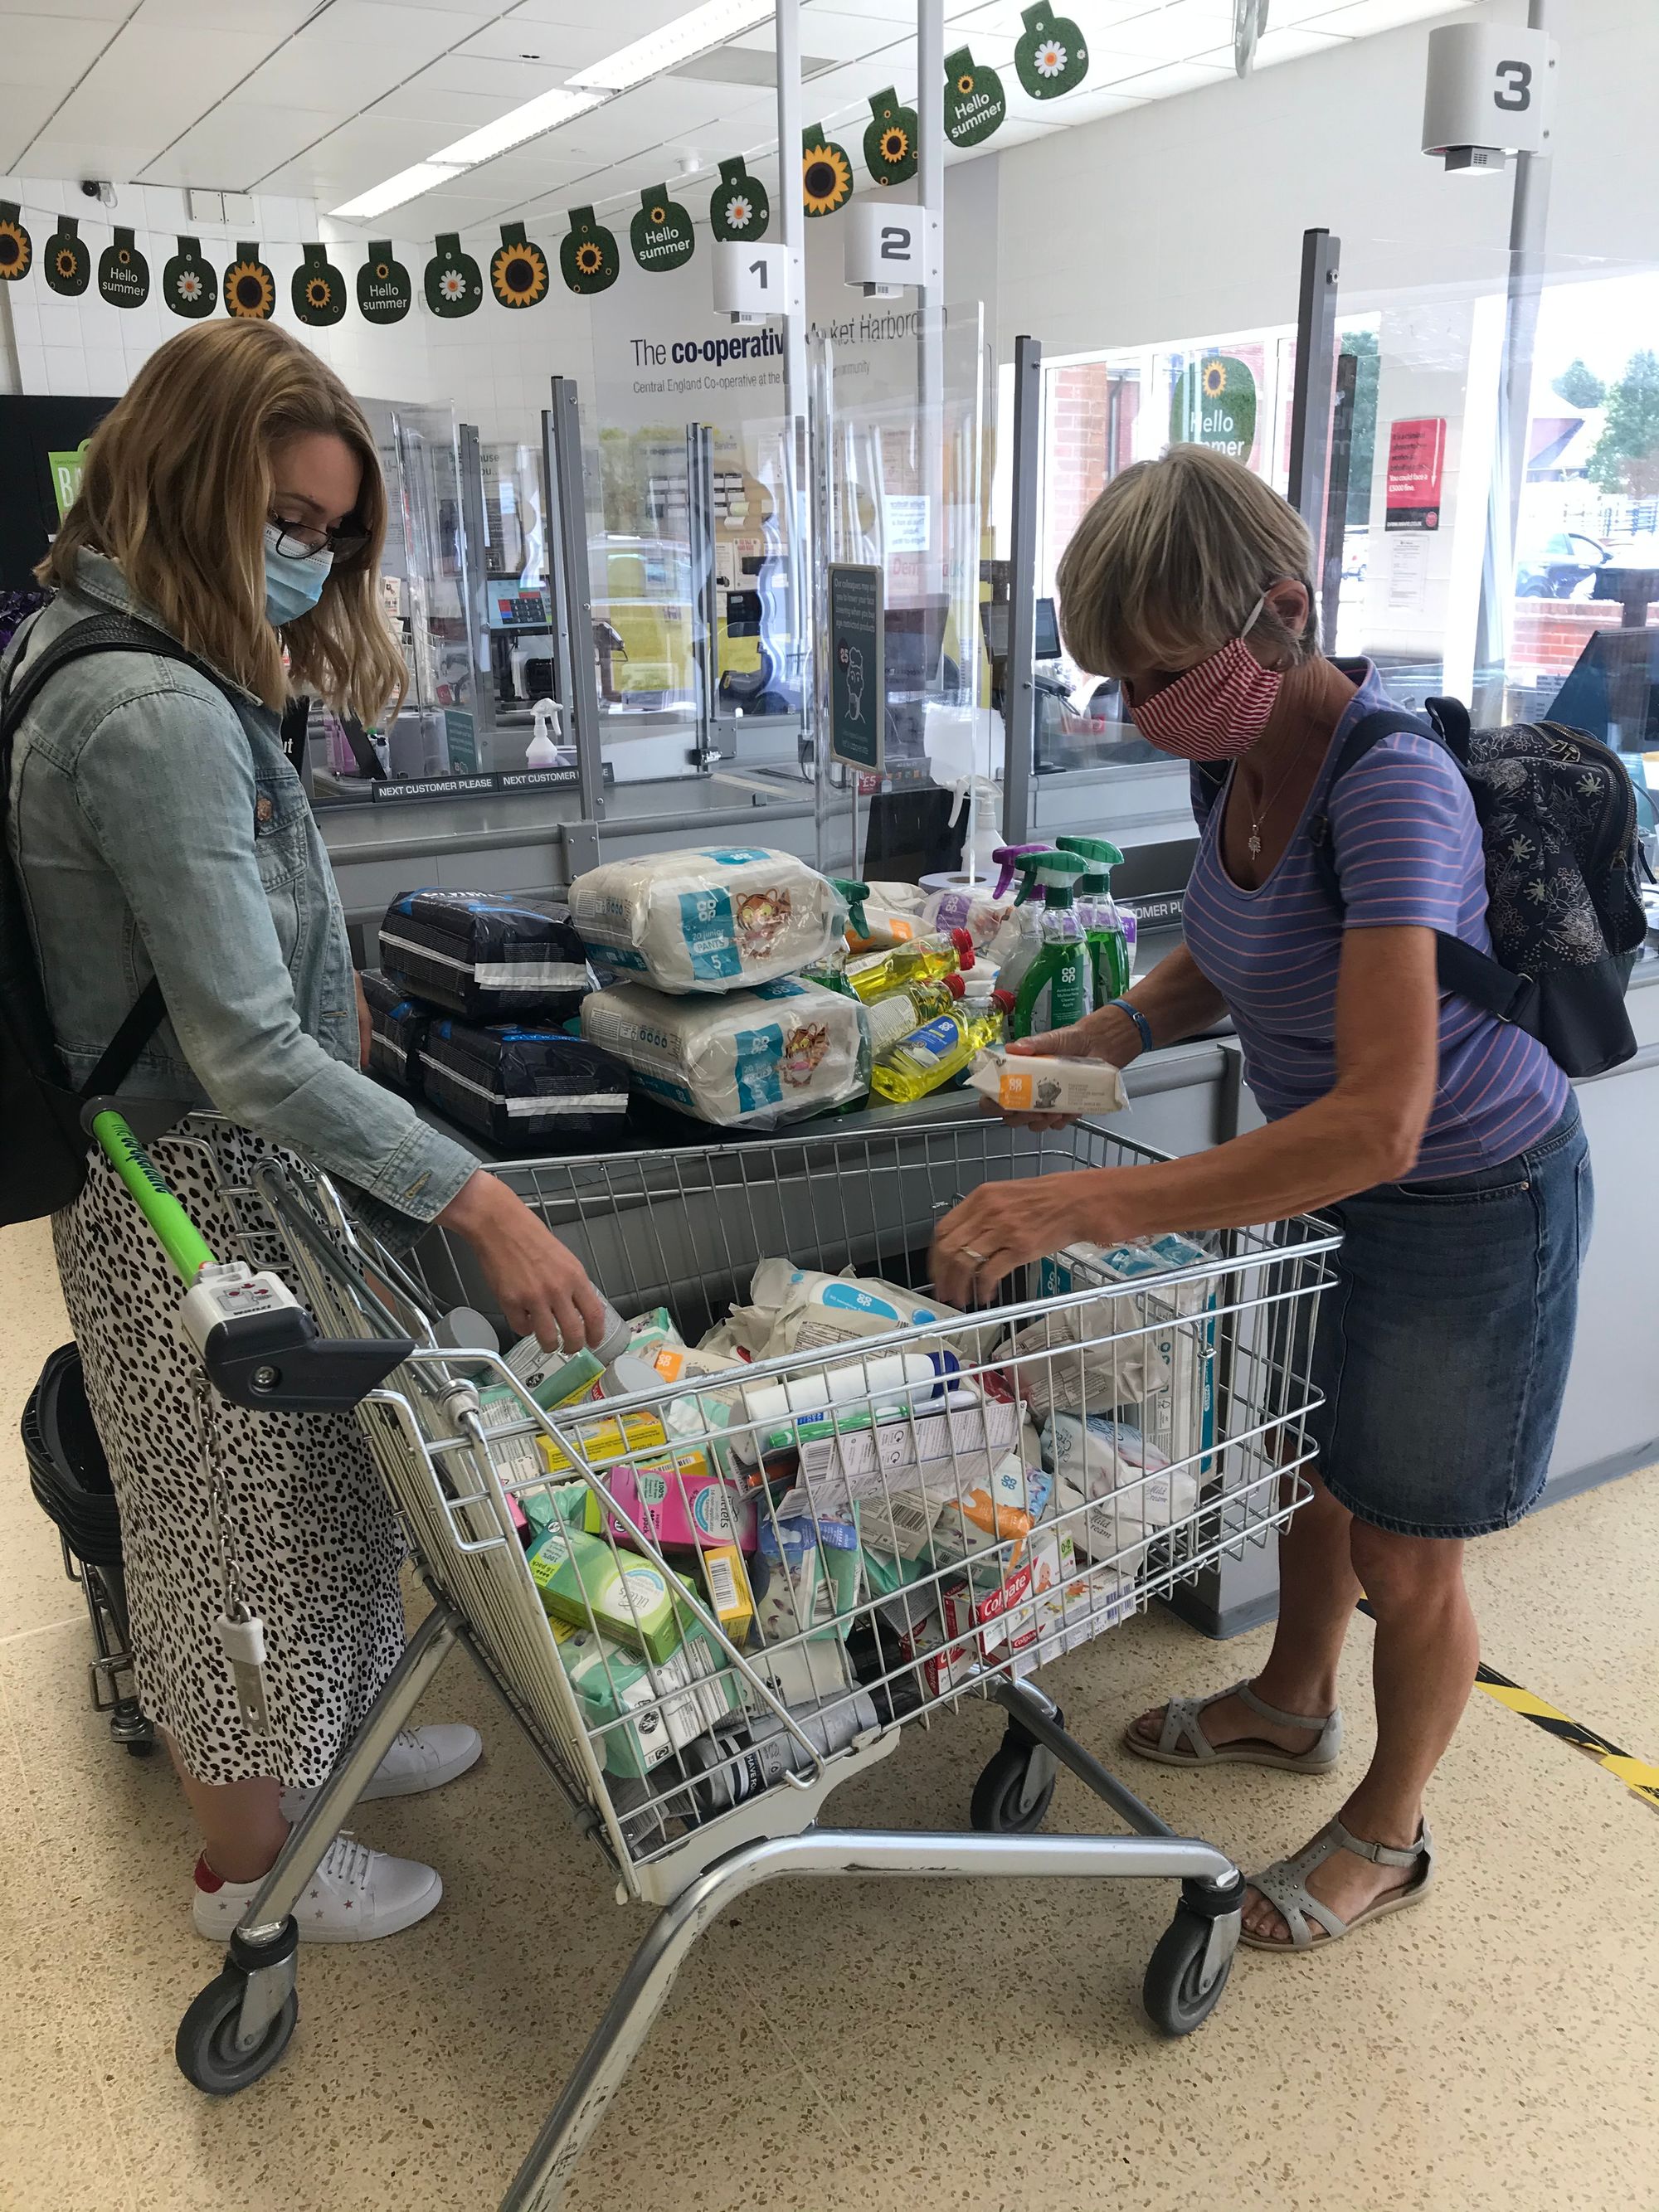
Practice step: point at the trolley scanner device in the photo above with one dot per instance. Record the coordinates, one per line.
(257, 1343)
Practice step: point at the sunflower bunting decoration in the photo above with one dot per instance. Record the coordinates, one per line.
(453, 285)
(890, 139)
(826, 174)
(739, 211)
(661, 234)
(1052, 57)
(517, 270)
(318, 291)
(189, 285)
(975, 103)
(16, 251)
(250, 288)
(588, 259)
(1214, 404)
(123, 273)
(383, 291)
(67, 263)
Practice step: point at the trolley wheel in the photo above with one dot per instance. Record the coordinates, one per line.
(140, 1747)
(205, 2046)
(995, 1809)
(1175, 2002)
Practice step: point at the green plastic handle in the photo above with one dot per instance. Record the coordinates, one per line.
(175, 1232)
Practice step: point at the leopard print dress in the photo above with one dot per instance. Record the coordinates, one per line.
(306, 1518)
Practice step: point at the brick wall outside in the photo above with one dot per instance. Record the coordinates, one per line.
(1550, 634)
(1079, 464)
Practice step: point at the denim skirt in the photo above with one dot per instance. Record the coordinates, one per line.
(1443, 1345)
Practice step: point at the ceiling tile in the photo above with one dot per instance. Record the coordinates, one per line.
(838, 37)
(51, 50)
(1275, 47)
(562, 46)
(24, 116)
(271, 19)
(1163, 83)
(625, 19)
(1364, 17)
(102, 11)
(522, 81)
(1175, 32)
(240, 143)
(295, 76)
(450, 113)
(347, 26)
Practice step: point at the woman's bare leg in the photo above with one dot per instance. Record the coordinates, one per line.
(242, 1825)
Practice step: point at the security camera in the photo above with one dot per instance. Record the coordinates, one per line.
(96, 188)
(1487, 95)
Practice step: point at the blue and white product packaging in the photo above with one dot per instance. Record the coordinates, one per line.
(719, 918)
(756, 1058)
(1126, 1490)
(522, 1087)
(1177, 1325)
(396, 1030)
(486, 954)
(800, 1309)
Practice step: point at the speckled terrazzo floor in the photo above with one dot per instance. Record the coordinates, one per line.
(866, 2045)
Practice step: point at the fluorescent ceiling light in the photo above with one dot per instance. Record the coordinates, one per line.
(407, 184)
(681, 41)
(542, 113)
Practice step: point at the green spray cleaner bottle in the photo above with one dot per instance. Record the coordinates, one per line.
(1102, 925)
(1019, 940)
(831, 970)
(1057, 989)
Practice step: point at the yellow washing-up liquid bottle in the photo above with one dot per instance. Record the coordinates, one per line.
(876, 975)
(928, 1057)
(886, 1020)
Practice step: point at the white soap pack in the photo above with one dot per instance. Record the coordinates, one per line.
(718, 919)
(1126, 1486)
(1036, 1083)
(753, 1058)
(800, 1309)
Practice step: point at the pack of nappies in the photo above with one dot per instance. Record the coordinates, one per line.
(486, 954)
(396, 1030)
(722, 918)
(752, 1058)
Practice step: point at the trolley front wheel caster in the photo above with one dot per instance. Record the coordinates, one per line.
(1012, 1797)
(206, 2047)
(1173, 1992)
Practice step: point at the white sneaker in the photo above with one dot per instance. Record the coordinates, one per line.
(420, 1759)
(355, 1895)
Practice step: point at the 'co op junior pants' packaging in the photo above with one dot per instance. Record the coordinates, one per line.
(396, 1030)
(520, 1087)
(724, 919)
(486, 954)
(754, 1057)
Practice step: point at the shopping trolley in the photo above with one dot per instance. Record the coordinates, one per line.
(712, 1601)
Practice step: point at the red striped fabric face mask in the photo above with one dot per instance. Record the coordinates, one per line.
(1216, 709)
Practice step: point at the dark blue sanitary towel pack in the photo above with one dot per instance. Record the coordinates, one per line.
(397, 1027)
(486, 955)
(523, 1088)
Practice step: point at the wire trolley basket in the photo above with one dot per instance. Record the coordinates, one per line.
(823, 1509)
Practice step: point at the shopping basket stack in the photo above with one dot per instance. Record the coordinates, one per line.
(70, 1478)
(710, 1603)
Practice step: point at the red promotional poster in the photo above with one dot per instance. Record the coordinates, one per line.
(1416, 461)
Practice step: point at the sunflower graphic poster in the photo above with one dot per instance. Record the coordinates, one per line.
(1051, 58)
(890, 139)
(66, 259)
(517, 269)
(454, 286)
(16, 250)
(250, 288)
(123, 273)
(739, 211)
(661, 234)
(385, 294)
(826, 174)
(975, 104)
(189, 285)
(588, 259)
(318, 290)
(1213, 404)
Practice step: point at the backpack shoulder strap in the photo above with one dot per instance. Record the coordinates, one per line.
(1366, 734)
(113, 632)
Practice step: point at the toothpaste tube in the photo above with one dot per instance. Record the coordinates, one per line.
(1034, 1083)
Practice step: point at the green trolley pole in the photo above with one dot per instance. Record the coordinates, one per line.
(175, 1232)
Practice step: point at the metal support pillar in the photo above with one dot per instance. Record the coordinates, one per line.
(1019, 690)
(705, 639)
(475, 539)
(929, 118)
(795, 504)
(566, 537)
(1311, 393)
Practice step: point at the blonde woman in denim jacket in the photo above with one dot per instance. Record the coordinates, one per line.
(233, 499)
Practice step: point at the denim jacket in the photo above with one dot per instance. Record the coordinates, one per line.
(154, 825)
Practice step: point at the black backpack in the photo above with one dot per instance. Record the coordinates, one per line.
(43, 1145)
(1557, 824)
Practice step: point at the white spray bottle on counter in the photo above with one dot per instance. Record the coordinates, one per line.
(543, 750)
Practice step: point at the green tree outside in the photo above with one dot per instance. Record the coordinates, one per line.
(1626, 454)
(1362, 450)
(1579, 385)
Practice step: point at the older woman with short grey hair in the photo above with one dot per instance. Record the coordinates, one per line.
(1446, 1144)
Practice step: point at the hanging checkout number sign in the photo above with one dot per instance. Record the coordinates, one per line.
(858, 689)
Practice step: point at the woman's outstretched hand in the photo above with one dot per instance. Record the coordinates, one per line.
(1001, 1226)
(541, 1287)
(1107, 1034)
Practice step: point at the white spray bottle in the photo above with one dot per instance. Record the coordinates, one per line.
(543, 750)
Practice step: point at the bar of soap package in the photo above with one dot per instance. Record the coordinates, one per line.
(486, 954)
(725, 918)
(522, 1087)
(753, 1058)
(396, 1030)
(1034, 1083)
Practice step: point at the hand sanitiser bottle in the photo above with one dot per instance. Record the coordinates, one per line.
(1102, 925)
(1057, 989)
(543, 750)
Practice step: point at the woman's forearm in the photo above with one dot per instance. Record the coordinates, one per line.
(1176, 999)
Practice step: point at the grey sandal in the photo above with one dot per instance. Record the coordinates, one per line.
(1285, 1886)
(1180, 1718)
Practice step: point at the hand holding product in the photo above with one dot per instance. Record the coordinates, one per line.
(1031, 1082)
(540, 1286)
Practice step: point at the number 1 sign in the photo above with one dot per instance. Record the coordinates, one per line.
(751, 282)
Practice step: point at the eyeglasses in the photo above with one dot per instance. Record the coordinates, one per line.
(299, 541)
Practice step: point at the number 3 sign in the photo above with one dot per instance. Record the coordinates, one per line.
(1488, 93)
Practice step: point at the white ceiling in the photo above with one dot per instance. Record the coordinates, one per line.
(321, 99)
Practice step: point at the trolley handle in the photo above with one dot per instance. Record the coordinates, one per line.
(258, 1345)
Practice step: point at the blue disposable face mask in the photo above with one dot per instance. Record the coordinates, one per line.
(292, 587)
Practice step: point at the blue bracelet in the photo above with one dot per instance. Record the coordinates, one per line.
(1140, 1020)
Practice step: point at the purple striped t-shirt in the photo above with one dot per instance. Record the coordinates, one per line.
(1407, 850)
